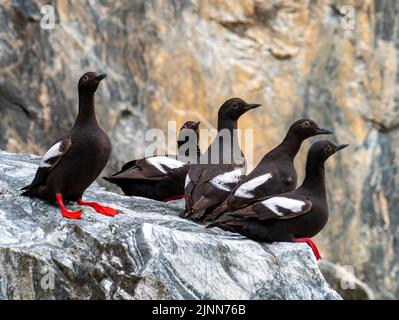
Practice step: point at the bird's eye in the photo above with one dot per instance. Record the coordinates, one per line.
(306, 124)
(85, 78)
(235, 105)
(328, 148)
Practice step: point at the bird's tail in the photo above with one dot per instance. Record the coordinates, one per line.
(212, 224)
(223, 208)
(110, 179)
(187, 213)
(26, 190)
(220, 222)
(121, 183)
(225, 222)
(197, 215)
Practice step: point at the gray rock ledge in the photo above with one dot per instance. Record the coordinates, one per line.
(146, 253)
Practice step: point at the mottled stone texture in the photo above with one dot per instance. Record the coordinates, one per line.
(343, 280)
(147, 252)
(179, 60)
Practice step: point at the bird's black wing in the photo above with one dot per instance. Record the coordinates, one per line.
(249, 190)
(127, 166)
(283, 206)
(152, 168)
(210, 187)
(49, 161)
(193, 176)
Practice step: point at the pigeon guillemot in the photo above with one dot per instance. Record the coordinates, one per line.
(221, 167)
(161, 177)
(76, 160)
(294, 216)
(275, 173)
(188, 142)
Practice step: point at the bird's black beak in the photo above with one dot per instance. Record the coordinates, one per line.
(197, 124)
(252, 106)
(340, 147)
(100, 77)
(323, 131)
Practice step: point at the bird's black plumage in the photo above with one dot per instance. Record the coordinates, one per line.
(274, 174)
(160, 177)
(297, 214)
(221, 166)
(75, 160)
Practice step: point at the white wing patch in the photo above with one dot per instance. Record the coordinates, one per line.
(187, 181)
(162, 161)
(281, 202)
(54, 151)
(244, 190)
(221, 181)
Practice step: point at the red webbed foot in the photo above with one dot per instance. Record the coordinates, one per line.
(66, 213)
(106, 211)
(312, 245)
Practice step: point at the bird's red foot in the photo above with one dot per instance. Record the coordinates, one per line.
(106, 211)
(180, 196)
(66, 213)
(312, 245)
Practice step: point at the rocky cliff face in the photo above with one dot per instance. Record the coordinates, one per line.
(146, 252)
(178, 60)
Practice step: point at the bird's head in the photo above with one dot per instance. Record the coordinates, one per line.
(234, 108)
(90, 81)
(191, 125)
(305, 128)
(189, 130)
(322, 150)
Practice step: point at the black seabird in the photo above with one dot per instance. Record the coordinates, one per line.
(294, 216)
(221, 166)
(73, 162)
(275, 173)
(161, 177)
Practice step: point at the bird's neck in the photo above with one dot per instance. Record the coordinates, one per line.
(186, 147)
(86, 114)
(227, 124)
(227, 133)
(289, 146)
(226, 143)
(314, 178)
